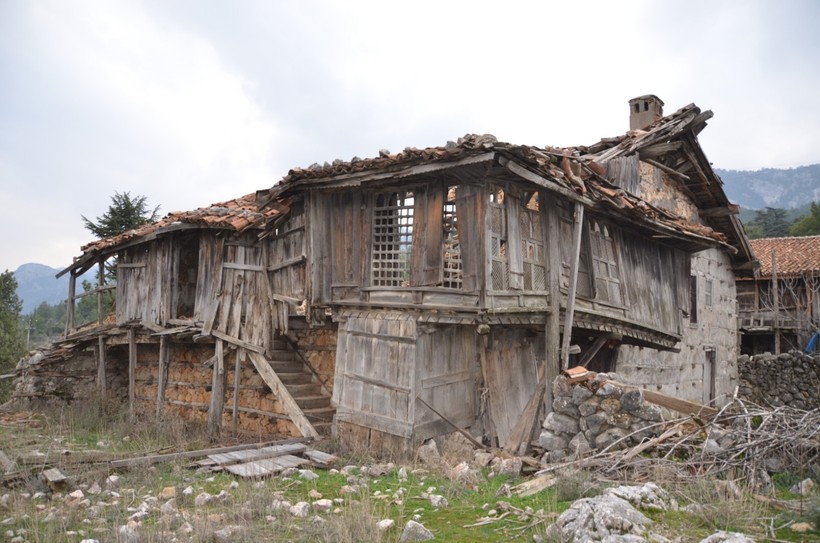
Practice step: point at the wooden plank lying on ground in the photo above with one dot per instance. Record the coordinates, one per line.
(250, 455)
(157, 458)
(321, 458)
(54, 477)
(6, 463)
(269, 466)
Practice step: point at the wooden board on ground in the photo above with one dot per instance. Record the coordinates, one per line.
(273, 451)
(6, 463)
(266, 467)
(320, 458)
(54, 478)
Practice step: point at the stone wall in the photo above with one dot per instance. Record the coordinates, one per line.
(595, 415)
(791, 379)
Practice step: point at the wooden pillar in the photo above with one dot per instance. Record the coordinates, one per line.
(132, 372)
(237, 374)
(776, 304)
(162, 374)
(552, 328)
(100, 286)
(217, 404)
(577, 229)
(72, 290)
(101, 379)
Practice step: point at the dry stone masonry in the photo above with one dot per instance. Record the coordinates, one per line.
(595, 415)
(791, 379)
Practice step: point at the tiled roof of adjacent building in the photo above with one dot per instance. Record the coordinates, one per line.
(792, 255)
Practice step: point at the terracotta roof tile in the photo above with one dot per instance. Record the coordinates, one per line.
(792, 255)
(238, 214)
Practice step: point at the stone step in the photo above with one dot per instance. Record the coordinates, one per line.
(296, 378)
(282, 355)
(288, 367)
(313, 401)
(304, 389)
(324, 428)
(322, 414)
(281, 344)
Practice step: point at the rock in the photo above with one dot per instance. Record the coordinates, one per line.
(112, 482)
(128, 532)
(561, 424)
(608, 437)
(438, 501)
(94, 489)
(167, 492)
(300, 509)
(727, 537)
(551, 441)
(578, 445)
(403, 473)
(607, 390)
(483, 458)
(595, 422)
(580, 394)
(203, 499)
(323, 505)
(649, 496)
(386, 524)
(169, 507)
(280, 505)
(428, 453)
(632, 400)
(801, 527)
(308, 475)
(602, 518)
(511, 467)
(89, 541)
(651, 413)
(463, 472)
(314, 494)
(589, 406)
(77, 494)
(415, 531)
(565, 406)
(803, 488)
(233, 485)
(228, 534)
(610, 406)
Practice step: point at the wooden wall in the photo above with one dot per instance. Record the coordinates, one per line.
(143, 283)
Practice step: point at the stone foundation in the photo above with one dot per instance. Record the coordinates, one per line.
(595, 415)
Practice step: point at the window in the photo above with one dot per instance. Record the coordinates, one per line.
(498, 240)
(452, 273)
(707, 293)
(605, 263)
(532, 245)
(693, 299)
(392, 239)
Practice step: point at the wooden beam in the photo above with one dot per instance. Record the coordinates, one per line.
(100, 283)
(552, 326)
(132, 372)
(577, 230)
(776, 299)
(671, 402)
(238, 342)
(590, 354)
(721, 211)
(162, 375)
(237, 374)
(72, 289)
(671, 171)
(217, 404)
(543, 182)
(281, 392)
(101, 378)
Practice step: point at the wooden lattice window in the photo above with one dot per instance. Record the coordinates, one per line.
(566, 222)
(452, 271)
(392, 239)
(605, 263)
(532, 245)
(500, 266)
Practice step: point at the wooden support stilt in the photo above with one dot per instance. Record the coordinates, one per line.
(72, 292)
(552, 327)
(217, 404)
(237, 374)
(101, 379)
(132, 372)
(577, 229)
(162, 374)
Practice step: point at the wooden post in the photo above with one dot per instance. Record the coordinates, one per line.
(132, 372)
(776, 302)
(237, 374)
(101, 380)
(217, 404)
(162, 374)
(100, 286)
(577, 229)
(552, 328)
(72, 289)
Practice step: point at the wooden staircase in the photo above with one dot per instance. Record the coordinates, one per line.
(310, 400)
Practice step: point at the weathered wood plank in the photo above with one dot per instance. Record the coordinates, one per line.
(263, 468)
(217, 404)
(132, 372)
(281, 392)
(249, 455)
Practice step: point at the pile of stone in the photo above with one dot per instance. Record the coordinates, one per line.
(791, 379)
(595, 415)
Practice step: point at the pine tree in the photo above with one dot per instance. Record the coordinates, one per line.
(125, 213)
(12, 343)
(807, 225)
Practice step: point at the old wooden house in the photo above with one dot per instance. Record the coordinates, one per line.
(427, 289)
(780, 307)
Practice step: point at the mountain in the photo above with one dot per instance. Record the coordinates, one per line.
(770, 187)
(36, 284)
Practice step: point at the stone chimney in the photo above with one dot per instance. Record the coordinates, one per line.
(644, 110)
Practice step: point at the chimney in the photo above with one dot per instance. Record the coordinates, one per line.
(644, 110)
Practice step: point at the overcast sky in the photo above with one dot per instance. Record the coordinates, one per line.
(190, 103)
